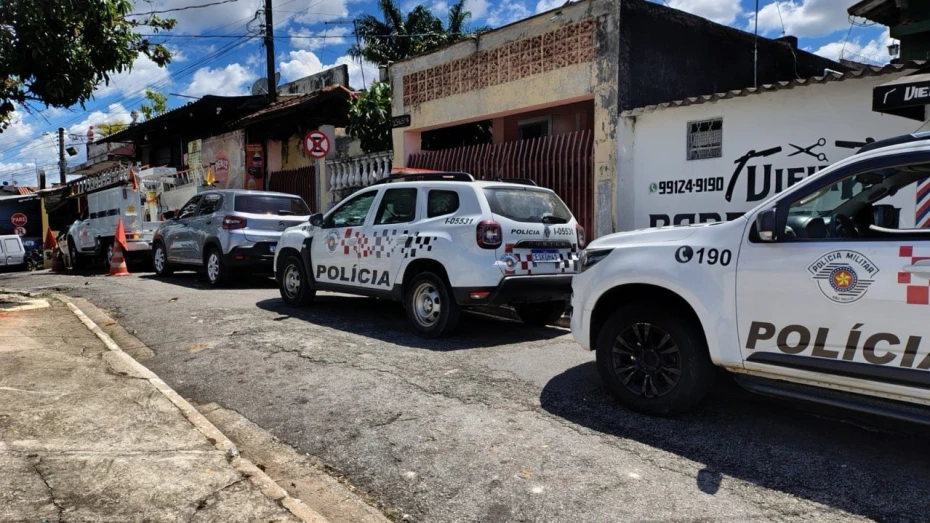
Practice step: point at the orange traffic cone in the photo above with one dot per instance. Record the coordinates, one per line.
(50, 242)
(58, 264)
(118, 262)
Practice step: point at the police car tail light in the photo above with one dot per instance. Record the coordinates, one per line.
(489, 234)
(579, 233)
(234, 222)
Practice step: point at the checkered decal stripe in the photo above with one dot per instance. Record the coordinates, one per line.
(568, 262)
(916, 294)
(382, 243)
(417, 243)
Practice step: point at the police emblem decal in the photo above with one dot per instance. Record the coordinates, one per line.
(546, 231)
(843, 276)
(332, 240)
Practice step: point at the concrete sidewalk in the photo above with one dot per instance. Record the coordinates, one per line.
(88, 434)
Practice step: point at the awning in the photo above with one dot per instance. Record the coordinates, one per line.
(906, 96)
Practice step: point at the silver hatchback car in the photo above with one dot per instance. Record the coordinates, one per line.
(225, 231)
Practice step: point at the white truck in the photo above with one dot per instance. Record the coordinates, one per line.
(820, 294)
(92, 236)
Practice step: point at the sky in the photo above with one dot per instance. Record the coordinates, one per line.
(214, 54)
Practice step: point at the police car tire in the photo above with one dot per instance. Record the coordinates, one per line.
(450, 312)
(305, 293)
(540, 314)
(697, 370)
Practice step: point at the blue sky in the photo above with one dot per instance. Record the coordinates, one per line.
(214, 55)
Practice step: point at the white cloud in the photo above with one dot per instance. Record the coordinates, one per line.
(547, 5)
(477, 8)
(305, 63)
(508, 12)
(304, 38)
(802, 18)
(232, 80)
(144, 73)
(873, 52)
(231, 18)
(720, 11)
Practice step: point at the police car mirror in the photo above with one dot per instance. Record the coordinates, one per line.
(316, 220)
(765, 225)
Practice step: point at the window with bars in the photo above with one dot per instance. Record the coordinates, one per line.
(705, 139)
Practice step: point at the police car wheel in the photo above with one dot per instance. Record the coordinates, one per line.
(654, 360)
(294, 285)
(540, 314)
(430, 306)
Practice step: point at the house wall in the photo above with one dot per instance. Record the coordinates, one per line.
(652, 149)
(226, 152)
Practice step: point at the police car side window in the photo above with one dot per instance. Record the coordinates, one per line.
(397, 206)
(439, 203)
(353, 213)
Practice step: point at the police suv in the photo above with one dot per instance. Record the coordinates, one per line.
(822, 294)
(439, 242)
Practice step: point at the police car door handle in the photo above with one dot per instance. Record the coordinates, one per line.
(923, 270)
(351, 241)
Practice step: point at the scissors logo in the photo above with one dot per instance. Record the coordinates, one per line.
(807, 150)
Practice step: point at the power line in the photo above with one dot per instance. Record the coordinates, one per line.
(201, 6)
(843, 49)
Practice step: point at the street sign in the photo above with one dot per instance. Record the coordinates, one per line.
(21, 231)
(316, 144)
(400, 121)
(19, 220)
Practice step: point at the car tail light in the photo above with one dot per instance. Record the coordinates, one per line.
(479, 295)
(489, 234)
(234, 222)
(579, 233)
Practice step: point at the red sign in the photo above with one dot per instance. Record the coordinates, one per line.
(221, 168)
(21, 231)
(316, 144)
(19, 219)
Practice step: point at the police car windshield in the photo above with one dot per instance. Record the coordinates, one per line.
(527, 205)
(851, 193)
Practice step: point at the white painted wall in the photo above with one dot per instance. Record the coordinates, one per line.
(653, 149)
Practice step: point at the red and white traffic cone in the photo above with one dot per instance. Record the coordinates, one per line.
(118, 261)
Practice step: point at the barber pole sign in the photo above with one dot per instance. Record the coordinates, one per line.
(922, 204)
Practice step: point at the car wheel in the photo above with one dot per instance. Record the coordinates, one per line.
(430, 306)
(654, 360)
(75, 257)
(541, 314)
(108, 258)
(216, 268)
(294, 285)
(160, 261)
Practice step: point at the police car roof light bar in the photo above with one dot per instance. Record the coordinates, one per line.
(428, 177)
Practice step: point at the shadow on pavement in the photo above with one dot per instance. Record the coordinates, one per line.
(859, 464)
(196, 280)
(386, 321)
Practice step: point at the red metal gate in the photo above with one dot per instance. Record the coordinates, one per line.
(563, 163)
(301, 182)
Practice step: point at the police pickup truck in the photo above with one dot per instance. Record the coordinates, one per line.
(820, 294)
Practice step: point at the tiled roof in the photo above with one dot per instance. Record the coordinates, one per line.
(290, 102)
(831, 77)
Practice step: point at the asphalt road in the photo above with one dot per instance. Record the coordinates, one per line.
(504, 422)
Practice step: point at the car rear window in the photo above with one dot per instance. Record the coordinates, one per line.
(527, 205)
(12, 246)
(272, 204)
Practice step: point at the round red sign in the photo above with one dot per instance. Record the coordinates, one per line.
(316, 144)
(19, 219)
(21, 231)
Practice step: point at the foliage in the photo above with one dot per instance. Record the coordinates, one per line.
(156, 105)
(106, 129)
(56, 52)
(398, 37)
(370, 118)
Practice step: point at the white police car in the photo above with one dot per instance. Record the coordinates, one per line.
(439, 242)
(821, 294)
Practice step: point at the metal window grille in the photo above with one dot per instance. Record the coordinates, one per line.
(705, 139)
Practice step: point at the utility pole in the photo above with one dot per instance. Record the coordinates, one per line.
(62, 164)
(755, 50)
(269, 53)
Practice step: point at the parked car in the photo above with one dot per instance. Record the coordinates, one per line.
(439, 243)
(12, 252)
(224, 231)
(821, 294)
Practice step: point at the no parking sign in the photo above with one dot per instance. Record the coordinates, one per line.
(316, 144)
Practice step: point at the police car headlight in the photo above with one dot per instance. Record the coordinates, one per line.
(590, 257)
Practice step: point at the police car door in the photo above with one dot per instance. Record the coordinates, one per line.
(334, 250)
(840, 295)
(381, 247)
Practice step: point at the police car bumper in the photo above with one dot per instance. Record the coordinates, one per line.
(518, 289)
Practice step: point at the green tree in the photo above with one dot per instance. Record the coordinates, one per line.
(56, 52)
(156, 105)
(370, 118)
(398, 37)
(106, 129)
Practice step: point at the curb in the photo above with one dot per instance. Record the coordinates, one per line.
(265, 484)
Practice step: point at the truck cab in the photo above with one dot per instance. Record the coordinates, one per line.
(818, 294)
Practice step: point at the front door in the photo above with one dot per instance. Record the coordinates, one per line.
(334, 251)
(841, 294)
(381, 250)
(177, 234)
